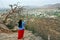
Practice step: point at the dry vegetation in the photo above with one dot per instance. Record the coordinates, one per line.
(45, 27)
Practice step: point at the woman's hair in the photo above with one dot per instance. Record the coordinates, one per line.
(20, 23)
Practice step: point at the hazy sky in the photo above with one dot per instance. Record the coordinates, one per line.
(5, 3)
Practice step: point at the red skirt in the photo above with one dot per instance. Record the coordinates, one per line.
(20, 34)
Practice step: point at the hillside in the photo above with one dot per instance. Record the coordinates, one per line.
(57, 5)
(13, 36)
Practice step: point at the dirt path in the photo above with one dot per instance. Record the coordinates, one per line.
(28, 36)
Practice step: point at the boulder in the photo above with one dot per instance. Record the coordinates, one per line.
(3, 28)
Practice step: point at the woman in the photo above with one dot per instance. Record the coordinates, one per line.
(21, 29)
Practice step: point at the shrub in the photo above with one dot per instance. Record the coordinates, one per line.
(11, 25)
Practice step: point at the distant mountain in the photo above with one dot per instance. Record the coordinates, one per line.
(30, 7)
(57, 5)
(3, 10)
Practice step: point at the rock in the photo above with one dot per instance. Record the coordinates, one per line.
(15, 29)
(3, 28)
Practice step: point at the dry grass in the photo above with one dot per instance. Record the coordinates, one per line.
(45, 27)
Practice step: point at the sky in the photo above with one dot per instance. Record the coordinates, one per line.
(5, 3)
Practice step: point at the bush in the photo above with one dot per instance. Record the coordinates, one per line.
(10, 25)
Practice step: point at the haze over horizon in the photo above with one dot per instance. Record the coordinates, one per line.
(38, 3)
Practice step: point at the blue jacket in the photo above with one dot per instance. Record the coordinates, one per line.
(22, 26)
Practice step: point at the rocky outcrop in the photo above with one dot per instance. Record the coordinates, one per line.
(3, 28)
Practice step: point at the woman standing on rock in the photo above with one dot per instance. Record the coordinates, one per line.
(21, 29)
